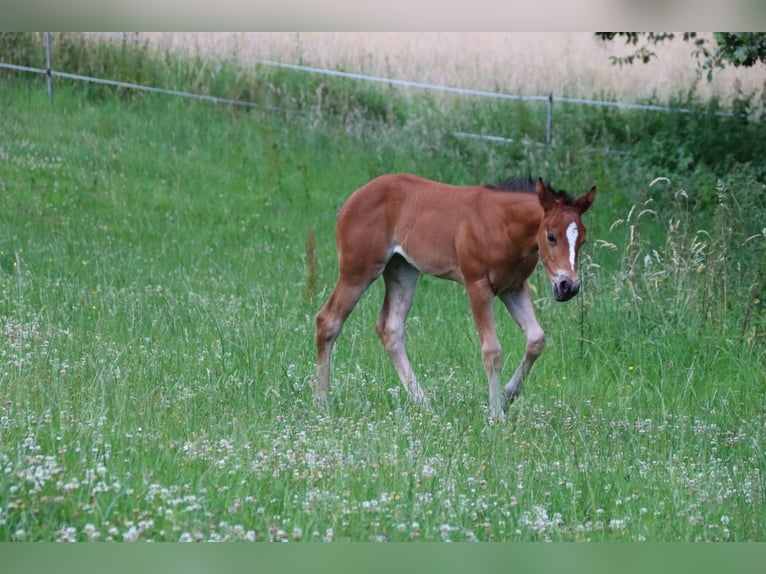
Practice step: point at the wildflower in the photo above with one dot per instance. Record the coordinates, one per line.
(67, 534)
(428, 471)
(415, 531)
(617, 524)
(131, 535)
(370, 506)
(91, 532)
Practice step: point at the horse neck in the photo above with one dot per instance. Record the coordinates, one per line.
(523, 217)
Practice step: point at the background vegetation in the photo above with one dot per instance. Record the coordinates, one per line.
(158, 292)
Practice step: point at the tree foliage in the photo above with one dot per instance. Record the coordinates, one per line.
(736, 48)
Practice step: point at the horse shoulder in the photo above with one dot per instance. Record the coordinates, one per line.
(499, 240)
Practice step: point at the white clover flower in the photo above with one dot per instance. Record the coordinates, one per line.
(617, 524)
(445, 530)
(131, 535)
(91, 532)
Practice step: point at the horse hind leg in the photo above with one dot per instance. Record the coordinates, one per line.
(401, 279)
(330, 320)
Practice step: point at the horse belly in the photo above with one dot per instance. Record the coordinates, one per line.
(433, 254)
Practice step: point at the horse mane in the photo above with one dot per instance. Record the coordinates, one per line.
(518, 184)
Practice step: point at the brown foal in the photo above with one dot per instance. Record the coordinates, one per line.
(487, 238)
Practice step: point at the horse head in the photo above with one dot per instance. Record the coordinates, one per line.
(560, 236)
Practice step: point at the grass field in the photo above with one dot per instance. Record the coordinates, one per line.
(157, 305)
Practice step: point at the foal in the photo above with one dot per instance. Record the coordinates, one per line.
(486, 238)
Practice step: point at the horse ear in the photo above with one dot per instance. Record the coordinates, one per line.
(583, 203)
(544, 195)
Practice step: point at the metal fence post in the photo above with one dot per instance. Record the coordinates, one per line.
(48, 68)
(550, 116)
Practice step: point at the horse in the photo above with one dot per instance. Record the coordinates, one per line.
(487, 237)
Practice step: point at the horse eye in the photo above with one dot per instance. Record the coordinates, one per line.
(551, 238)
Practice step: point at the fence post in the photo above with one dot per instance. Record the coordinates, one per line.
(550, 116)
(48, 67)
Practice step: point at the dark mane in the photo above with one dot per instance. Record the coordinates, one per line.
(514, 183)
(527, 185)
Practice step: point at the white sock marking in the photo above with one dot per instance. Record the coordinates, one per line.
(572, 238)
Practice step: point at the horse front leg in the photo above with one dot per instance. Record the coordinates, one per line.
(481, 297)
(519, 305)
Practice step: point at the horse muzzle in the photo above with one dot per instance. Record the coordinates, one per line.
(564, 288)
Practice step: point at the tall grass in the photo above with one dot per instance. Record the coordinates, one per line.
(158, 285)
(567, 64)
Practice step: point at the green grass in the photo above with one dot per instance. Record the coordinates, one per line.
(157, 318)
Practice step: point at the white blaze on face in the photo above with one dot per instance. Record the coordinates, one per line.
(572, 239)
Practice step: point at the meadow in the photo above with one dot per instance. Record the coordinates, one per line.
(159, 282)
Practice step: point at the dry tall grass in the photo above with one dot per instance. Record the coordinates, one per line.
(567, 64)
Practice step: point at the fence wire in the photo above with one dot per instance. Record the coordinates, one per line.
(550, 98)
